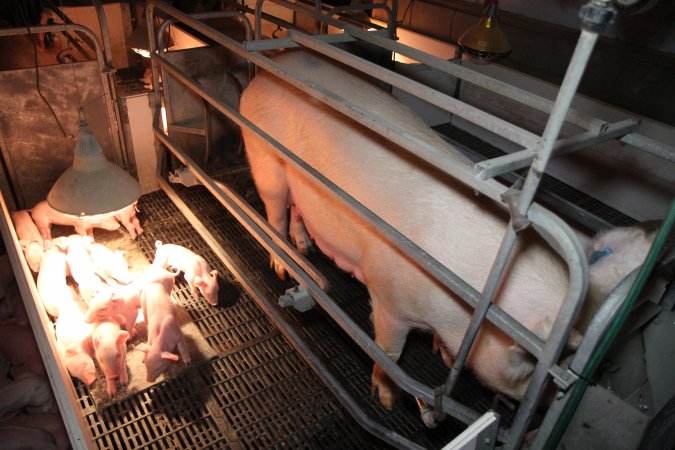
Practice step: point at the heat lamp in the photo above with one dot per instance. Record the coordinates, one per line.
(486, 40)
(92, 186)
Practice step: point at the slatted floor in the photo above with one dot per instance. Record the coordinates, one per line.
(259, 392)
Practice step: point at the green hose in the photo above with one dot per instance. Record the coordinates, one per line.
(593, 363)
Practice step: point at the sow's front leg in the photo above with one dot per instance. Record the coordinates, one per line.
(390, 336)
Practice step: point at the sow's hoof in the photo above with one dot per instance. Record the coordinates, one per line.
(383, 387)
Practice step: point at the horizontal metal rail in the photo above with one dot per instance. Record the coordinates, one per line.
(501, 319)
(498, 166)
(305, 351)
(276, 44)
(509, 91)
(650, 146)
(552, 228)
(411, 385)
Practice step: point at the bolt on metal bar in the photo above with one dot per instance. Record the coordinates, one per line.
(497, 166)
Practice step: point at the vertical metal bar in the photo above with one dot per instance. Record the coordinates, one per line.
(542, 155)
(552, 349)
(575, 70)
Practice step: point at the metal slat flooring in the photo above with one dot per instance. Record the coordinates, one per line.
(259, 392)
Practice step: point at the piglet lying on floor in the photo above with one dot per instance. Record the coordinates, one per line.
(29, 238)
(73, 337)
(164, 333)
(196, 270)
(109, 265)
(51, 281)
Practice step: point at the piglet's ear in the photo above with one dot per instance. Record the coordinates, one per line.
(122, 337)
(170, 356)
(199, 282)
(145, 348)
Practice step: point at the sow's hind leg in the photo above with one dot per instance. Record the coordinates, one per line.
(269, 175)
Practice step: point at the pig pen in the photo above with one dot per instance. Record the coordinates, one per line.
(281, 379)
(174, 72)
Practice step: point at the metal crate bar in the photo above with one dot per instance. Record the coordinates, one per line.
(503, 321)
(373, 427)
(554, 230)
(527, 98)
(498, 166)
(650, 146)
(468, 112)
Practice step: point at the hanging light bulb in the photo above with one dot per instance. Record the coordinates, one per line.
(486, 41)
(92, 185)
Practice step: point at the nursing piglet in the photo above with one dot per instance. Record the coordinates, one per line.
(51, 280)
(127, 217)
(110, 348)
(30, 240)
(73, 339)
(446, 219)
(164, 333)
(45, 216)
(109, 265)
(196, 270)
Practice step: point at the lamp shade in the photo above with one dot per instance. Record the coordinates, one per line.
(92, 185)
(138, 40)
(486, 41)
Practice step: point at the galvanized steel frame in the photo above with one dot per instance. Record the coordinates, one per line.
(523, 210)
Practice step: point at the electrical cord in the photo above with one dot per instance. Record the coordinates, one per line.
(37, 76)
